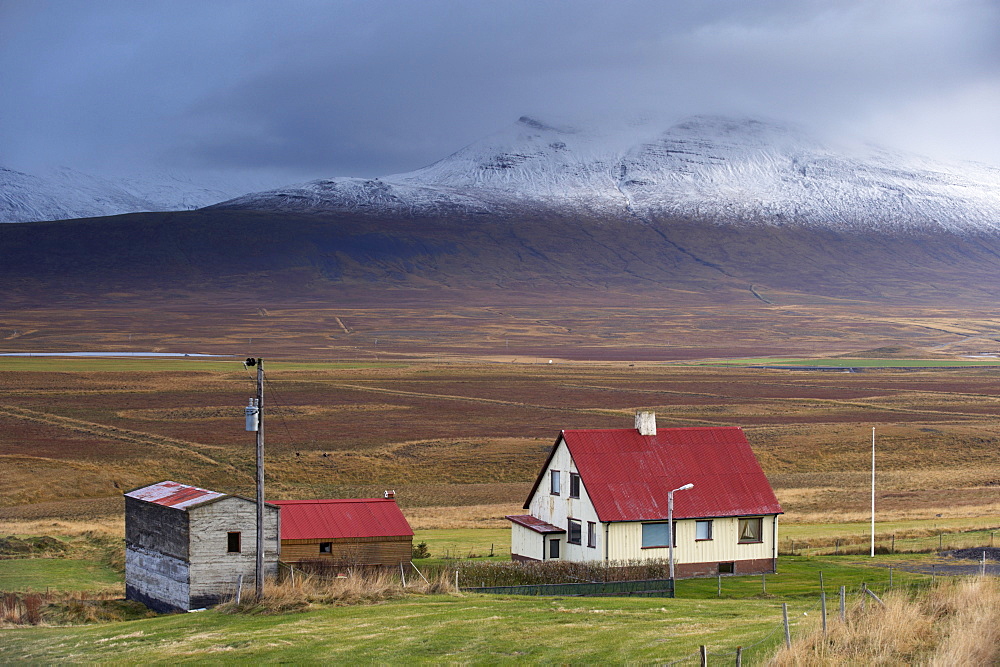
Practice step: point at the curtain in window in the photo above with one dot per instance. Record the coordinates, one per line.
(750, 530)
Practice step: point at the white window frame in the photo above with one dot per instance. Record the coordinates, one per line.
(707, 523)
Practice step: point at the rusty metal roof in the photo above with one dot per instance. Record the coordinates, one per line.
(535, 524)
(174, 494)
(627, 476)
(334, 519)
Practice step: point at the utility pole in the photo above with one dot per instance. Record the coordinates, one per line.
(255, 422)
(259, 570)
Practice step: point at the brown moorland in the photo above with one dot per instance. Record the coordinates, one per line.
(75, 433)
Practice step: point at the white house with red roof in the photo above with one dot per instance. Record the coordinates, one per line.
(187, 547)
(602, 495)
(347, 532)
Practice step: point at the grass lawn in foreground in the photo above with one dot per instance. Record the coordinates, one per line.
(466, 629)
(63, 574)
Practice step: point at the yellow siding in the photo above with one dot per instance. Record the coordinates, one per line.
(625, 540)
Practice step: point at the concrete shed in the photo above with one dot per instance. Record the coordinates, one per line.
(185, 547)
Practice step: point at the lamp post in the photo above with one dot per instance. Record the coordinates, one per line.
(670, 523)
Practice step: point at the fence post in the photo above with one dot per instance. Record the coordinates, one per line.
(983, 573)
(822, 604)
(720, 577)
(456, 580)
(890, 576)
(239, 588)
(843, 603)
(822, 587)
(763, 584)
(402, 575)
(893, 543)
(788, 633)
(933, 574)
(940, 538)
(864, 601)
(739, 656)
(703, 653)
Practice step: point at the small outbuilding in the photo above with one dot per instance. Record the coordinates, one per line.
(602, 495)
(186, 547)
(347, 532)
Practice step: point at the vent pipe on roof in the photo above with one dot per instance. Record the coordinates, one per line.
(645, 422)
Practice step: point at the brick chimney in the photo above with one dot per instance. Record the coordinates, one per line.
(645, 422)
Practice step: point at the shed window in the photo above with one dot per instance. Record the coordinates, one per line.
(554, 548)
(326, 547)
(233, 542)
(591, 534)
(750, 530)
(555, 483)
(574, 485)
(655, 535)
(575, 531)
(703, 530)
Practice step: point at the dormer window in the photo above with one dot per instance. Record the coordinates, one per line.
(556, 487)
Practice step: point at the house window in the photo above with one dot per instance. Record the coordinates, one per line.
(575, 532)
(326, 547)
(591, 534)
(554, 548)
(655, 535)
(233, 542)
(555, 482)
(574, 485)
(751, 530)
(703, 530)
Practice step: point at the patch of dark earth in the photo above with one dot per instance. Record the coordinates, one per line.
(954, 563)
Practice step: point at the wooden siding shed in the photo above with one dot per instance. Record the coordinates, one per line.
(348, 532)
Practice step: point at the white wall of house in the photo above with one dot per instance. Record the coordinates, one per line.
(526, 542)
(558, 509)
(625, 541)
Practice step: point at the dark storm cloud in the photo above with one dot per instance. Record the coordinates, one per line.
(310, 89)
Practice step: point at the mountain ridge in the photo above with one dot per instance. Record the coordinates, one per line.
(712, 168)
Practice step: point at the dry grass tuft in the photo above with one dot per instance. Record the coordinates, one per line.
(954, 623)
(307, 590)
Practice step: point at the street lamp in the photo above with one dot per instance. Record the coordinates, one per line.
(670, 523)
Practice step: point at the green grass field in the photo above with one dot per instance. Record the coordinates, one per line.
(63, 574)
(476, 628)
(853, 363)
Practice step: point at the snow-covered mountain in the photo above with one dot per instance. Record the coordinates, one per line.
(710, 168)
(64, 193)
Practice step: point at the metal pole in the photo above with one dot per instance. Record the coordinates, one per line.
(873, 492)
(670, 530)
(259, 569)
(843, 603)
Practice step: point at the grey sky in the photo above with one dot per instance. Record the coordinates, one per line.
(302, 89)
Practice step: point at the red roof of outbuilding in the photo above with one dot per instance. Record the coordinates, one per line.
(535, 524)
(334, 519)
(627, 475)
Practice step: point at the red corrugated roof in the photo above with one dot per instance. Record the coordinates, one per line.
(174, 494)
(535, 524)
(334, 519)
(627, 475)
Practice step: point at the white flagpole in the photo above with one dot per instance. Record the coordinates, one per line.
(873, 492)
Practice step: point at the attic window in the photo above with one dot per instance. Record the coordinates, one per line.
(750, 530)
(555, 483)
(233, 542)
(574, 485)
